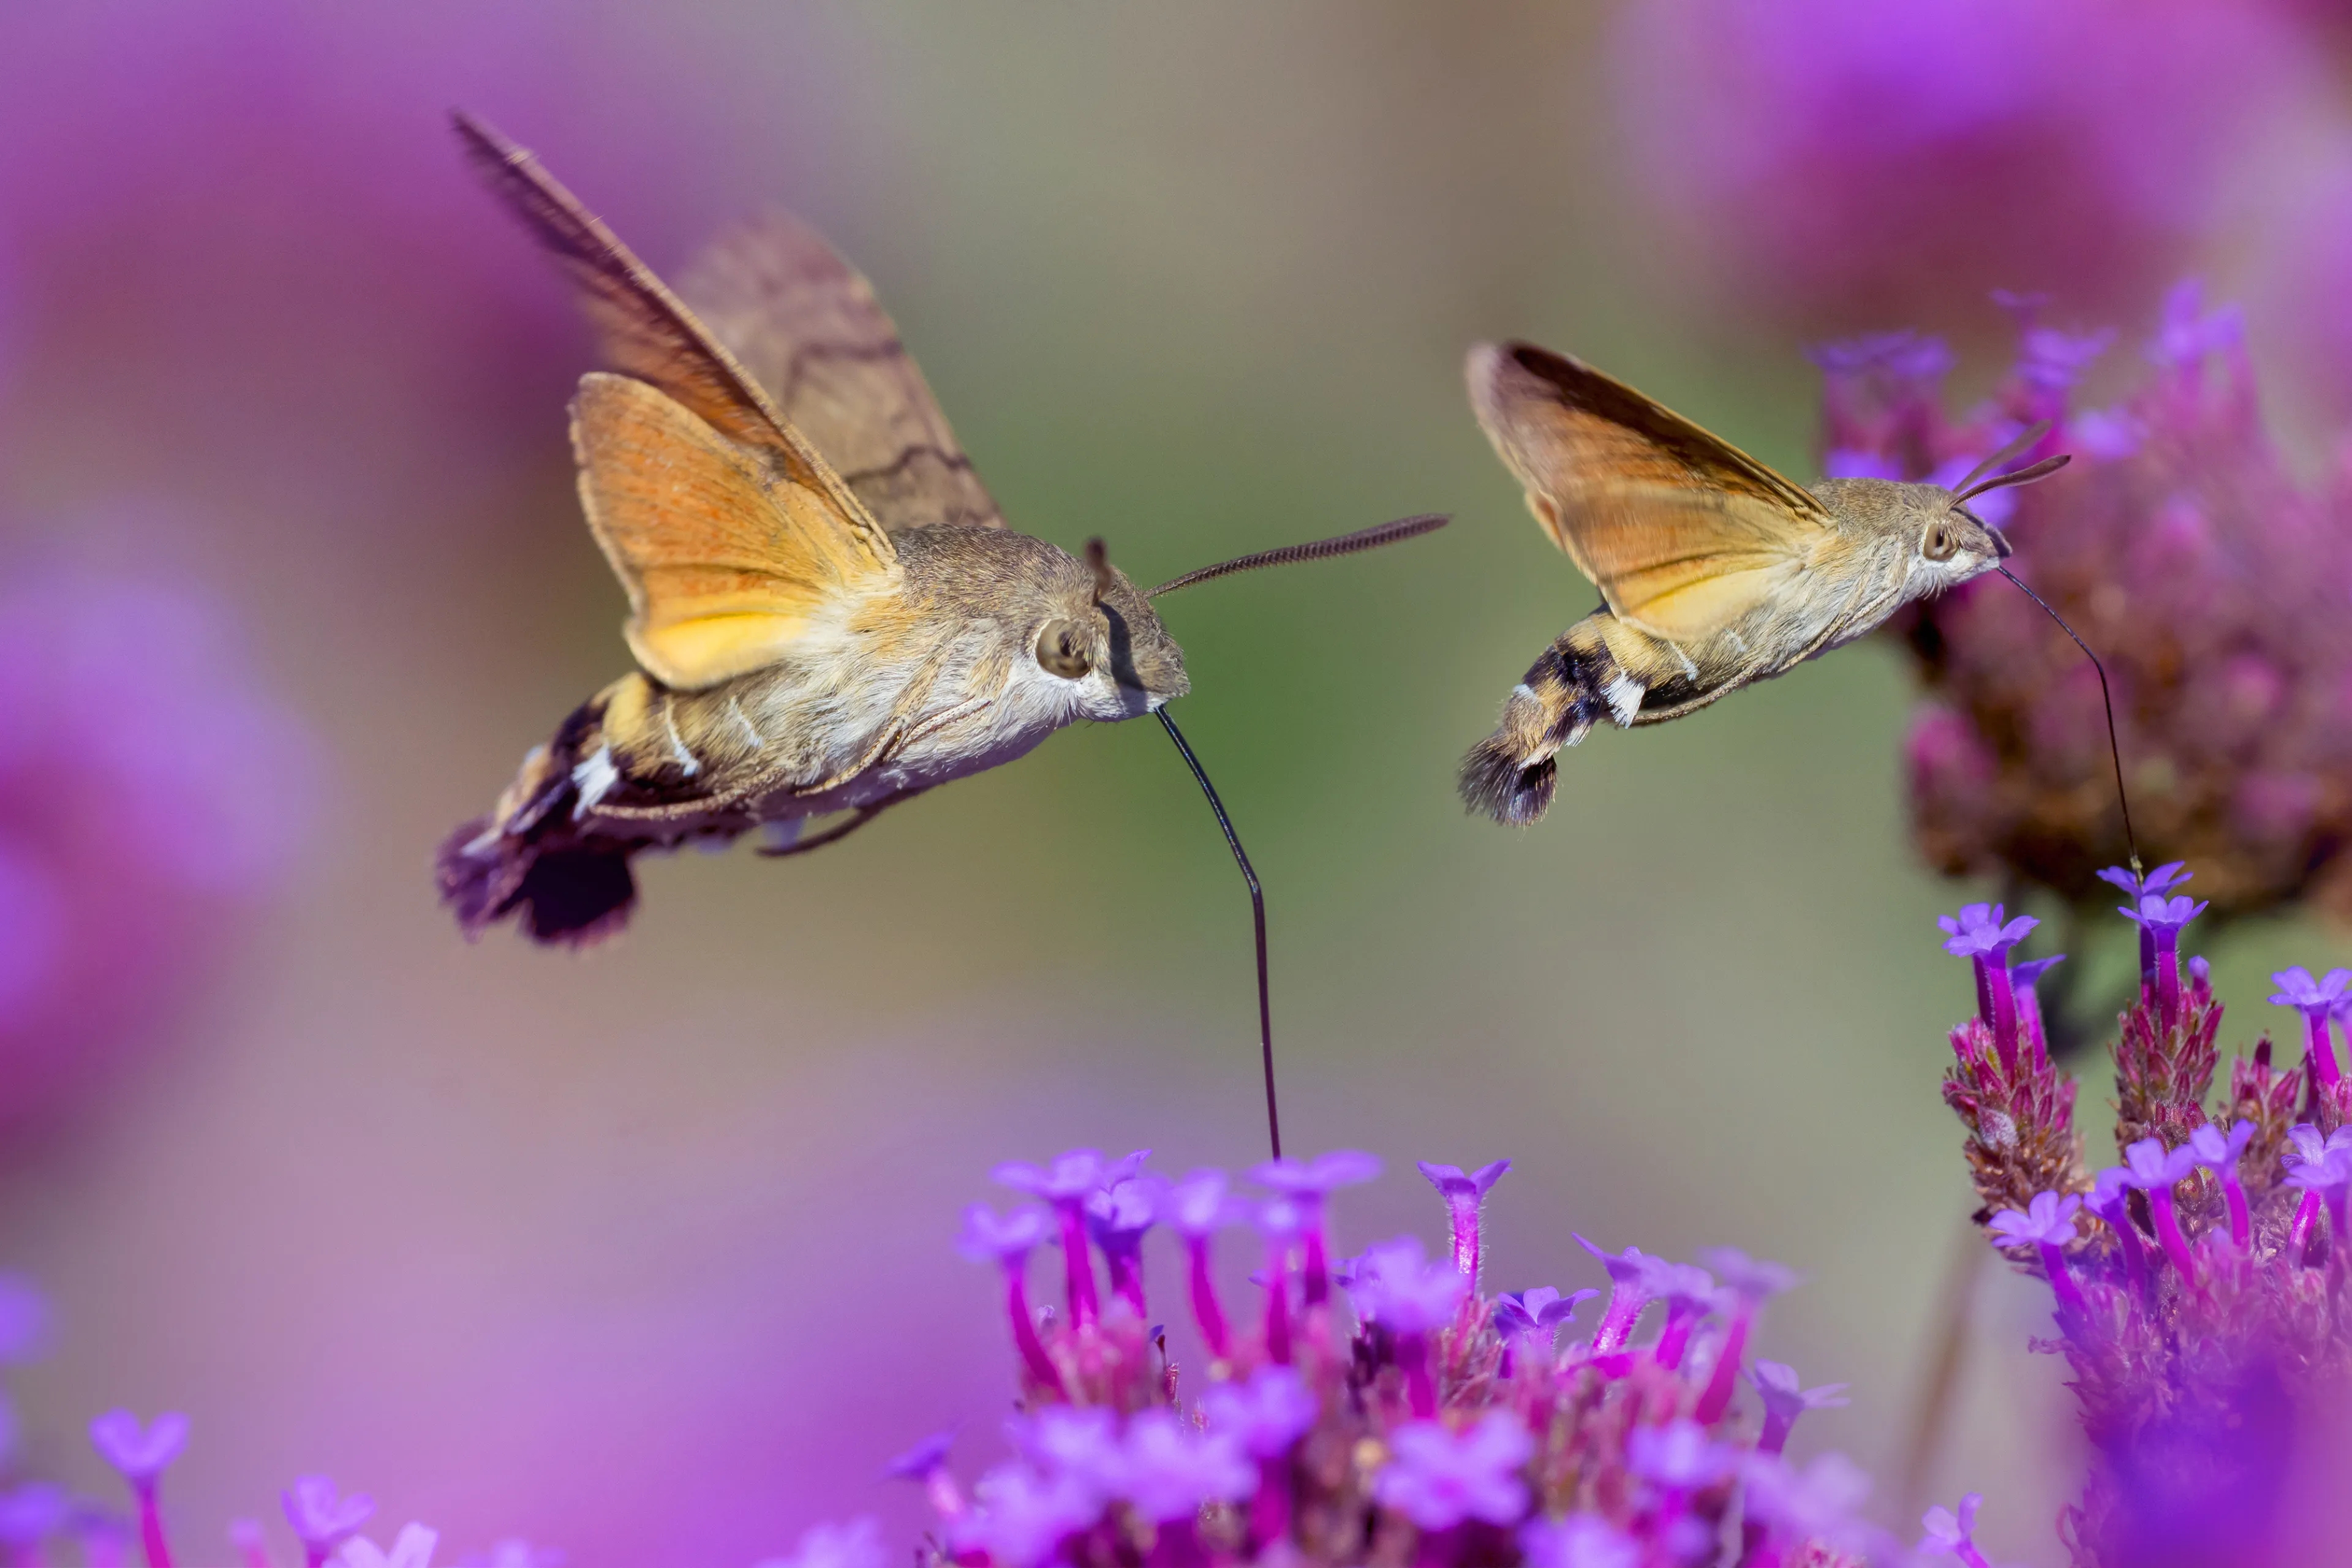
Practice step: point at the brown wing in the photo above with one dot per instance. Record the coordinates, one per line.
(728, 565)
(1683, 534)
(648, 334)
(808, 327)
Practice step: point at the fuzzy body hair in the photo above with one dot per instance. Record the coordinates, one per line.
(936, 679)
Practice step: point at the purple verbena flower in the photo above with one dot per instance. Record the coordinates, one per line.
(1463, 1193)
(412, 1548)
(1580, 1541)
(1819, 1500)
(1266, 1414)
(139, 1454)
(1679, 1456)
(1784, 1402)
(1951, 1534)
(1022, 1516)
(1630, 1276)
(1979, 935)
(925, 1464)
(1008, 1241)
(2047, 1223)
(1537, 1312)
(1079, 1441)
(1168, 1468)
(1438, 1477)
(2159, 920)
(1195, 1208)
(1309, 1183)
(1116, 1219)
(2317, 1001)
(2219, 1153)
(322, 1519)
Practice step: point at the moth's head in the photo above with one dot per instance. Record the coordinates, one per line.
(1091, 635)
(1932, 540)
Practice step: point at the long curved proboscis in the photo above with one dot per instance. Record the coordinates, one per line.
(1320, 549)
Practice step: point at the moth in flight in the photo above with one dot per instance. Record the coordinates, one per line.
(828, 614)
(1714, 571)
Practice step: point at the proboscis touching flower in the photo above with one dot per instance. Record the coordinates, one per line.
(2201, 1285)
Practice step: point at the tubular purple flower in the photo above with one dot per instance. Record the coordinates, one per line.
(1008, 1241)
(1950, 1534)
(2047, 1223)
(2154, 1170)
(925, 1464)
(1278, 1222)
(1752, 1282)
(1580, 1541)
(2317, 1001)
(1689, 1293)
(2023, 978)
(2219, 1153)
(1979, 935)
(1776, 1381)
(2165, 876)
(1797, 1505)
(2159, 920)
(2323, 1170)
(1196, 1208)
(1168, 1468)
(1073, 1178)
(857, 1544)
(1309, 1183)
(1116, 1219)
(1023, 1516)
(1078, 1441)
(413, 1547)
(1266, 1414)
(1438, 1479)
(2110, 1200)
(1679, 1456)
(1536, 1313)
(322, 1519)
(1395, 1285)
(1628, 1292)
(1464, 1193)
(140, 1455)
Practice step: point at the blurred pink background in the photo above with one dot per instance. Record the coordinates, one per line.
(644, 1253)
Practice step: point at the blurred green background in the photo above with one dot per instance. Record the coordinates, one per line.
(645, 1252)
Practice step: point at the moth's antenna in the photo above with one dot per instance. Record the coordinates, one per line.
(2026, 476)
(1257, 912)
(1098, 557)
(2115, 748)
(2018, 443)
(1322, 549)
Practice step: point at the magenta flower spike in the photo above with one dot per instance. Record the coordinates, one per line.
(1784, 1402)
(1749, 1282)
(2219, 1153)
(2047, 1223)
(2317, 1001)
(1008, 1241)
(322, 1519)
(1196, 1207)
(2155, 1169)
(1979, 935)
(1309, 1183)
(1463, 1194)
(1439, 1479)
(1950, 1534)
(140, 1455)
(2159, 920)
(1628, 1292)
(1066, 1183)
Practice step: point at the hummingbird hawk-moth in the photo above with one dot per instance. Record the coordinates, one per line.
(1714, 571)
(827, 612)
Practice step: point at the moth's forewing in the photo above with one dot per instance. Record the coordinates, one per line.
(1683, 534)
(808, 327)
(648, 333)
(725, 563)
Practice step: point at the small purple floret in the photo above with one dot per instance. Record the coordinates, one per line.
(1438, 1479)
(1784, 1402)
(323, 1518)
(1580, 1541)
(1679, 1456)
(1951, 1534)
(1979, 935)
(2317, 1001)
(2219, 1153)
(1267, 1415)
(2047, 1223)
(1462, 1193)
(139, 1454)
(1168, 1468)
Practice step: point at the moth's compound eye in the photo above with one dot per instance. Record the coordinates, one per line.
(1062, 649)
(1941, 542)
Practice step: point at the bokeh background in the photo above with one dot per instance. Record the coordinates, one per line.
(645, 1253)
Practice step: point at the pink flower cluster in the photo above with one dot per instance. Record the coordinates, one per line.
(2203, 1286)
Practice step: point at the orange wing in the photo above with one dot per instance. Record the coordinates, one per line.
(1683, 534)
(808, 327)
